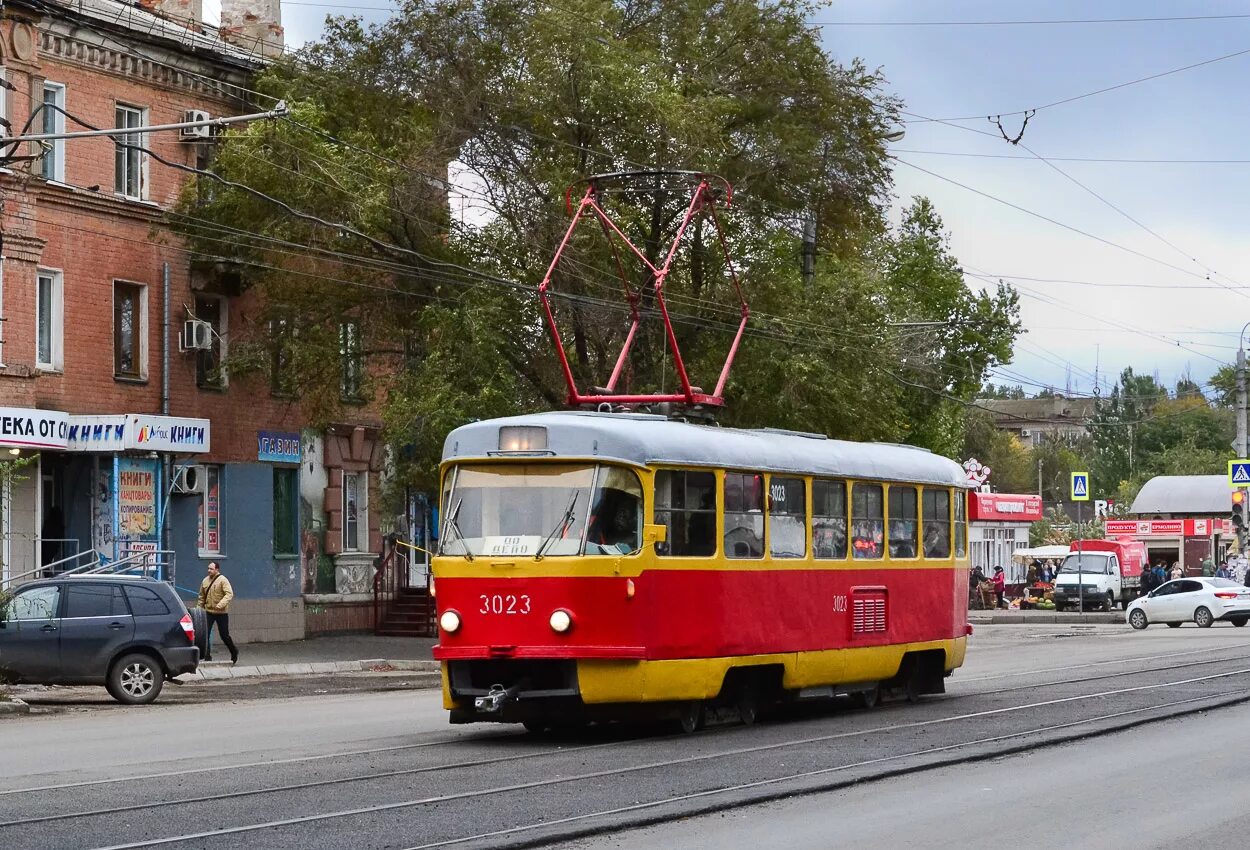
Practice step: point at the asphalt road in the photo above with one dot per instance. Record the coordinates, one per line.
(382, 769)
(1168, 785)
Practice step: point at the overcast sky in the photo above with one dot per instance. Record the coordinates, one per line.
(1090, 304)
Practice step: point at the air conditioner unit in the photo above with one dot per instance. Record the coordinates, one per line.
(188, 480)
(1025, 432)
(197, 335)
(195, 134)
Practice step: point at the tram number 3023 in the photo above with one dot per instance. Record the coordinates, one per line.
(504, 603)
(839, 604)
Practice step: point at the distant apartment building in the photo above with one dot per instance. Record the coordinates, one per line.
(1034, 419)
(113, 332)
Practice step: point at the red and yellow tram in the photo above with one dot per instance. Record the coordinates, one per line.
(610, 565)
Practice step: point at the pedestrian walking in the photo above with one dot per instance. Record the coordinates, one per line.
(1176, 570)
(215, 596)
(1148, 582)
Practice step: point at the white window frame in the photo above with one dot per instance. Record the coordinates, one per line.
(202, 536)
(361, 487)
(141, 332)
(55, 152)
(135, 139)
(56, 324)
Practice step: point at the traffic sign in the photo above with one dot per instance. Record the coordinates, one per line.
(1080, 486)
(1239, 473)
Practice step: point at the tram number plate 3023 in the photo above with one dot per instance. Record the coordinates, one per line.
(504, 603)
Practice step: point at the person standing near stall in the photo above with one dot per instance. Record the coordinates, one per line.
(1000, 586)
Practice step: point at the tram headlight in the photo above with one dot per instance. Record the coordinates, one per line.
(561, 621)
(449, 622)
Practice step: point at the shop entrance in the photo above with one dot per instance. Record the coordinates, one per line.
(1168, 553)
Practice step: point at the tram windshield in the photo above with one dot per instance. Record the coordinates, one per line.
(540, 509)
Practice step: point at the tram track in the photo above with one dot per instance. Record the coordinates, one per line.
(809, 743)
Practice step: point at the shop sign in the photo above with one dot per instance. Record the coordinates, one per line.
(279, 446)
(1006, 507)
(22, 427)
(126, 431)
(1168, 527)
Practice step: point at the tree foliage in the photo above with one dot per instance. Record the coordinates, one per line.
(519, 101)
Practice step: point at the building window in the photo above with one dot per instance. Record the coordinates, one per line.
(685, 502)
(129, 330)
(787, 517)
(49, 319)
(937, 523)
(867, 520)
(355, 518)
(829, 519)
(281, 379)
(210, 372)
(52, 162)
(210, 530)
(132, 165)
(285, 511)
(352, 359)
(903, 509)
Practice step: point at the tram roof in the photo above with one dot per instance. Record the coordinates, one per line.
(644, 439)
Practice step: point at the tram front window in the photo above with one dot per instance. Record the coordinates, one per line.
(537, 510)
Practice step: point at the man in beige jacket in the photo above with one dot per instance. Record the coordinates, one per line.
(215, 596)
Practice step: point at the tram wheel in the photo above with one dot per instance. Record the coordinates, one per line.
(748, 705)
(691, 716)
(535, 727)
(868, 698)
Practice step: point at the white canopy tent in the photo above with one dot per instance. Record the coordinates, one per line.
(1041, 553)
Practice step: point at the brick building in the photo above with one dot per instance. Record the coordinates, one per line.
(133, 442)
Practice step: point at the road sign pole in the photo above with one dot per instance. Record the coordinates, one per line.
(1080, 564)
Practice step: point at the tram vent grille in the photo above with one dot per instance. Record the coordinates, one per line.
(868, 614)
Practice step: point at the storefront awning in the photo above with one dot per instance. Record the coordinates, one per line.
(136, 432)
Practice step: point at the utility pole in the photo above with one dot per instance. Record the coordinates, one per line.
(1039, 478)
(1241, 424)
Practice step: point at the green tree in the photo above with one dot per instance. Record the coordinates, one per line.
(523, 100)
(1013, 469)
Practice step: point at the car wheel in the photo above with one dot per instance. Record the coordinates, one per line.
(1110, 602)
(1174, 625)
(1137, 619)
(1203, 617)
(1238, 621)
(135, 679)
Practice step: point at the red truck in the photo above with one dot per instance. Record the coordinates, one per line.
(1107, 570)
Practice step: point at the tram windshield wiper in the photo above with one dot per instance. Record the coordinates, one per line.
(452, 525)
(561, 526)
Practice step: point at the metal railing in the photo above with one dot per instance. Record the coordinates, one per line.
(157, 565)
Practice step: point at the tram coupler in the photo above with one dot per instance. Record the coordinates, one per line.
(496, 699)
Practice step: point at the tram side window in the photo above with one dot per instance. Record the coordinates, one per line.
(787, 511)
(937, 523)
(744, 515)
(961, 523)
(685, 502)
(829, 519)
(903, 510)
(867, 520)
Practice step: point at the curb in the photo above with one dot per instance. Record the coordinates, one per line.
(219, 670)
(12, 705)
(1017, 619)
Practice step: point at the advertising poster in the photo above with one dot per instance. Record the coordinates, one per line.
(137, 501)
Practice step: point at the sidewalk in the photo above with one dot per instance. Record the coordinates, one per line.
(321, 655)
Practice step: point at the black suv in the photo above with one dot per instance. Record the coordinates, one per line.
(128, 634)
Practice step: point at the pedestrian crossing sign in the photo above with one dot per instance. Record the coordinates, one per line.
(1080, 486)
(1239, 473)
